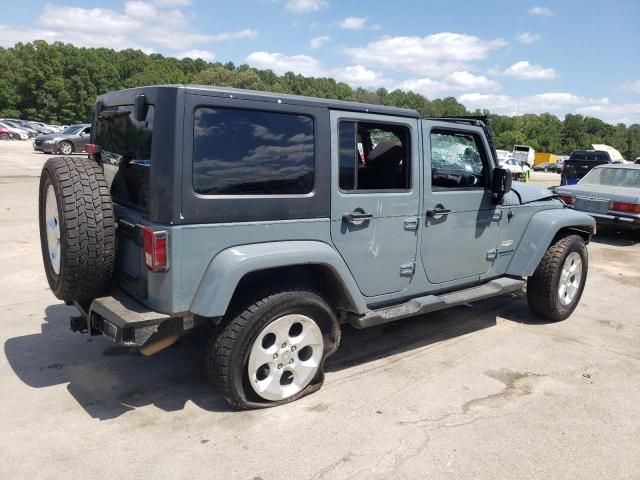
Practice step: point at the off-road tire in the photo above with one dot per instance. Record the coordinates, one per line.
(542, 287)
(87, 232)
(228, 349)
(61, 145)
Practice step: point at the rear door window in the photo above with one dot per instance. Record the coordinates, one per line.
(374, 157)
(251, 152)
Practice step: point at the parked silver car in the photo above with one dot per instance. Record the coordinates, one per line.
(610, 193)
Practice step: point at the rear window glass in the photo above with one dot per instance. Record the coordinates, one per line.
(126, 152)
(615, 177)
(119, 133)
(250, 152)
(578, 156)
(519, 148)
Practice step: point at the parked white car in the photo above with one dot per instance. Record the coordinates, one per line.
(519, 170)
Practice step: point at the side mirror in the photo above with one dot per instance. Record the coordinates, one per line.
(501, 184)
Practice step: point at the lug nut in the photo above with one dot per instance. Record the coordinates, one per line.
(293, 348)
(279, 365)
(275, 355)
(284, 345)
(291, 361)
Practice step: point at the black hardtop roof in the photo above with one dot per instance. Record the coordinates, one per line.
(271, 97)
(589, 151)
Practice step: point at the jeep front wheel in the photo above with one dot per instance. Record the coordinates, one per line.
(554, 290)
(273, 352)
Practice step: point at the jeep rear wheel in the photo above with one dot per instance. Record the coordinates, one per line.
(77, 231)
(554, 290)
(273, 352)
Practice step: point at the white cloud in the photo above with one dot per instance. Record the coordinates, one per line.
(528, 37)
(633, 86)
(302, 6)
(554, 102)
(616, 113)
(240, 34)
(526, 71)
(137, 9)
(455, 81)
(279, 63)
(77, 19)
(318, 42)
(195, 54)
(139, 25)
(172, 3)
(353, 23)
(356, 75)
(541, 12)
(433, 55)
(359, 76)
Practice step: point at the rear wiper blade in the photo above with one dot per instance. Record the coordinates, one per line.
(107, 114)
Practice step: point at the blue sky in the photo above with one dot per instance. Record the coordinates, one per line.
(505, 55)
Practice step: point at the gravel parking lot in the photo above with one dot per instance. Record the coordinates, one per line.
(481, 391)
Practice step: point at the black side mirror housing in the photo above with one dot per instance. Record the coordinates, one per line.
(501, 183)
(141, 108)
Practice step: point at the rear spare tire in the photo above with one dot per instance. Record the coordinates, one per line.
(77, 233)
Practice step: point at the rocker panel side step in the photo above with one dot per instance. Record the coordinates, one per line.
(432, 303)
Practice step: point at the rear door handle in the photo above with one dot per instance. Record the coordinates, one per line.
(356, 217)
(438, 212)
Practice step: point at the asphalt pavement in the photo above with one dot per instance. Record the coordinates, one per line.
(484, 391)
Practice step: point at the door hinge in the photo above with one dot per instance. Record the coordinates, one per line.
(492, 254)
(411, 223)
(407, 268)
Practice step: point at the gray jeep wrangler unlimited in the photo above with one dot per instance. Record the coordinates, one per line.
(275, 218)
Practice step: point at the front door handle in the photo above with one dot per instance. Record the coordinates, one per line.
(356, 217)
(438, 212)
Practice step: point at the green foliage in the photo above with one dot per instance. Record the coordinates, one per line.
(59, 83)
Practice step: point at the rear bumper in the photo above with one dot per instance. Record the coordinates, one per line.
(128, 322)
(616, 221)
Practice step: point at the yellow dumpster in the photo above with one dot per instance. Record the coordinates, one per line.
(542, 157)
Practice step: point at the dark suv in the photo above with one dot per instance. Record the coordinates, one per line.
(580, 163)
(273, 219)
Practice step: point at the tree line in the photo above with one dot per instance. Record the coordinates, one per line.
(58, 83)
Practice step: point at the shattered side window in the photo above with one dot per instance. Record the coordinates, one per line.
(456, 161)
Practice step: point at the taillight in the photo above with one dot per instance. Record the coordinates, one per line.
(92, 148)
(568, 199)
(624, 207)
(156, 253)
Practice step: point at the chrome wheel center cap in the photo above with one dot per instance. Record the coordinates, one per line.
(286, 356)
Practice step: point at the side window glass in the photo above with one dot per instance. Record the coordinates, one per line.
(373, 156)
(457, 161)
(251, 152)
